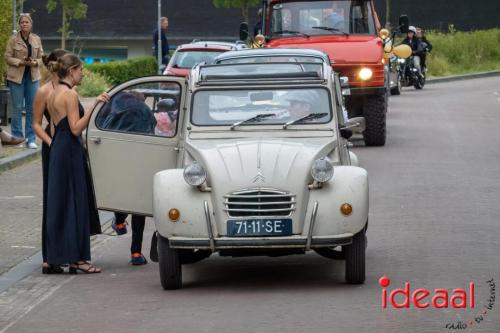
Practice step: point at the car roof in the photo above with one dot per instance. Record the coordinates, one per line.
(223, 46)
(274, 52)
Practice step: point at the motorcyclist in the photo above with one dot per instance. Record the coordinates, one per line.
(426, 45)
(416, 47)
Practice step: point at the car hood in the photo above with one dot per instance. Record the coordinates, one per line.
(282, 164)
(341, 49)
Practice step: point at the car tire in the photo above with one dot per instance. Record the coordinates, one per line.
(169, 265)
(375, 111)
(397, 89)
(355, 259)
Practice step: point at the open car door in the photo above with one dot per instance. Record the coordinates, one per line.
(133, 137)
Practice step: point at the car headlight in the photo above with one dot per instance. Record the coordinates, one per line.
(322, 170)
(194, 174)
(365, 74)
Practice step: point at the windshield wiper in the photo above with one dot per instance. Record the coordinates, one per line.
(291, 32)
(256, 119)
(310, 116)
(332, 30)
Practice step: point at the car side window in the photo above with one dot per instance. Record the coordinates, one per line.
(142, 109)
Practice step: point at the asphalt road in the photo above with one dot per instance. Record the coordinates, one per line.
(434, 222)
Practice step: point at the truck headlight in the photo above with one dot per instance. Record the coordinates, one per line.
(322, 170)
(365, 74)
(194, 174)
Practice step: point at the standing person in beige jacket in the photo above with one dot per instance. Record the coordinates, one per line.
(24, 59)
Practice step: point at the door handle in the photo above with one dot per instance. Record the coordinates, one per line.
(96, 140)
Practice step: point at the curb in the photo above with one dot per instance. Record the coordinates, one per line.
(15, 160)
(462, 77)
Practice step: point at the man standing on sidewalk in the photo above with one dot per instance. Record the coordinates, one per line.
(164, 41)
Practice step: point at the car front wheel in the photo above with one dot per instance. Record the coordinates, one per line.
(169, 264)
(355, 259)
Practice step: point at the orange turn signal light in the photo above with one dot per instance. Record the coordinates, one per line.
(174, 214)
(346, 209)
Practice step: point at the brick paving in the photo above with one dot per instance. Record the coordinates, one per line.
(20, 214)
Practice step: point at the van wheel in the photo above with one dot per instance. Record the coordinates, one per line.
(374, 111)
(355, 259)
(169, 264)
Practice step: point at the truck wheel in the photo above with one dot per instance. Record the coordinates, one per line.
(374, 111)
(355, 259)
(397, 89)
(169, 264)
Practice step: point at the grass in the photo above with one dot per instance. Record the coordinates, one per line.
(459, 52)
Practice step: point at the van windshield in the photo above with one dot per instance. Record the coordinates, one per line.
(269, 106)
(308, 18)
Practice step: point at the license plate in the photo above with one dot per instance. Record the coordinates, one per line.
(259, 227)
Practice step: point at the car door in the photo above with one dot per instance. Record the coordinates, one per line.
(131, 138)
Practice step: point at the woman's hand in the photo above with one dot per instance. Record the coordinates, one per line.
(104, 97)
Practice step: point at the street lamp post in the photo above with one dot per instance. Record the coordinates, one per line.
(159, 48)
(14, 31)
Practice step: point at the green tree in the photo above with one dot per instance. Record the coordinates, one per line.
(244, 5)
(5, 32)
(71, 10)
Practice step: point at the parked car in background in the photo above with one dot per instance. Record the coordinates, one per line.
(186, 56)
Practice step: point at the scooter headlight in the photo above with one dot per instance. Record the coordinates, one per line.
(322, 170)
(194, 174)
(365, 74)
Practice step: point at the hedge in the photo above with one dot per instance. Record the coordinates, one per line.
(5, 33)
(120, 71)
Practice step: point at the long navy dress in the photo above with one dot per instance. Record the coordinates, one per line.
(69, 199)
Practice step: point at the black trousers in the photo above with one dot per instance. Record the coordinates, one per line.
(138, 223)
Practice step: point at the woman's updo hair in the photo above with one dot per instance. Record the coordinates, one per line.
(66, 63)
(52, 59)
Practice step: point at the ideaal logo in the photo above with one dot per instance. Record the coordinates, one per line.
(422, 298)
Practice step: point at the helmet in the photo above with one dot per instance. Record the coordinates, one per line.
(413, 29)
(167, 104)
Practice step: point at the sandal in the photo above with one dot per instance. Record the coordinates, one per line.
(85, 267)
(52, 269)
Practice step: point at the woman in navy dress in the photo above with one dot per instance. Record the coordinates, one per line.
(40, 111)
(68, 194)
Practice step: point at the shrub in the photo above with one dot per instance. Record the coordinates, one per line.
(464, 52)
(5, 33)
(92, 84)
(120, 71)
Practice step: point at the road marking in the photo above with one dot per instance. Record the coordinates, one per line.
(23, 247)
(18, 197)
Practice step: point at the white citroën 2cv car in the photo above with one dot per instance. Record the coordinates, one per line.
(246, 158)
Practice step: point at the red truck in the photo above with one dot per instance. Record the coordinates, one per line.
(348, 31)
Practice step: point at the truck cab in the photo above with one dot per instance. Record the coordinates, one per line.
(346, 30)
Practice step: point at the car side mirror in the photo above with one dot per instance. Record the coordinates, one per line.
(243, 31)
(345, 132)
(403, 24)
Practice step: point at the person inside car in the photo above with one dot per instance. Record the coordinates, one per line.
(166, 117)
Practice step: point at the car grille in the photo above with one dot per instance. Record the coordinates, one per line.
(259, 202)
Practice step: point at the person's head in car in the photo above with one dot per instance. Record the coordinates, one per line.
(166, 117)
(301, 103)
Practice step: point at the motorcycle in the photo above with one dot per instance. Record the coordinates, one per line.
(410, 75)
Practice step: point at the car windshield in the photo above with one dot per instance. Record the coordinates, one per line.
(227, 107)
(296, 18)
(188, 59)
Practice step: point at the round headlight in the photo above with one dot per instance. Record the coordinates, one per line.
(383, 33)
(322, 170)
(365, 74)
(194, 174)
